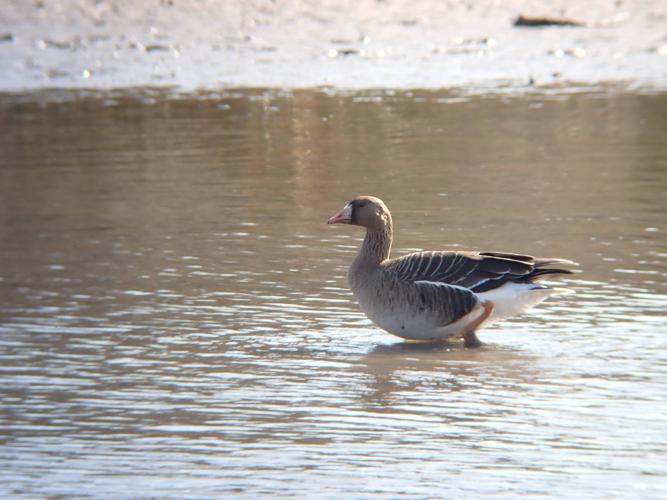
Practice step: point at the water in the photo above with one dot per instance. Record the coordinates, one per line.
(175, 320)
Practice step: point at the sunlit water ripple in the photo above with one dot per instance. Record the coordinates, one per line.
(176, 323)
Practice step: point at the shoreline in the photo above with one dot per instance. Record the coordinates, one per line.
(202, 46)
(152, 94)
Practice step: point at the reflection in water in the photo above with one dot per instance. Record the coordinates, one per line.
(421, 367)
(174, 308)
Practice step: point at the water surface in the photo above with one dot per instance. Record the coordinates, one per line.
(175, 320)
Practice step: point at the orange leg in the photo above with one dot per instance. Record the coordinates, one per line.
(469, 337)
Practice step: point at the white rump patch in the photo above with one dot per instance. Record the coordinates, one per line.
(514, 298)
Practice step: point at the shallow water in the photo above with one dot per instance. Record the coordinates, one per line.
(175, 320)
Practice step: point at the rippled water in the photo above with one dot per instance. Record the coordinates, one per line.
(175, 320)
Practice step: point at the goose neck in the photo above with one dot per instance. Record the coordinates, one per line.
(377, 244)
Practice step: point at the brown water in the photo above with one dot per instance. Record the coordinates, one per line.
(175, 320)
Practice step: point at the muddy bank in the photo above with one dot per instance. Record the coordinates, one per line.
(353, 44)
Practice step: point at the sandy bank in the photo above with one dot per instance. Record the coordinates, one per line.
(212, 44)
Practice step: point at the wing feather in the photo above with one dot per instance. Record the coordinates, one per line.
(448, 302)
(476, 271)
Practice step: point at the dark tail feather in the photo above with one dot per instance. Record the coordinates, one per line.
(539, 274)
(510, 256)
(550, 262)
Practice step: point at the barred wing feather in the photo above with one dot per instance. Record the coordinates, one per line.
(476, 271)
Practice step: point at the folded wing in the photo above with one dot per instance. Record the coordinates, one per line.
(476, 271)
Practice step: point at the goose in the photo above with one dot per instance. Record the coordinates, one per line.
(434, 296)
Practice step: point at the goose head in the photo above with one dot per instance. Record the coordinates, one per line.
(365, 211)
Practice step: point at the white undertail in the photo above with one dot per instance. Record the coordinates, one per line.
(511, 299)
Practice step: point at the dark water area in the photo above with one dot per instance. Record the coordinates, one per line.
(175, 320)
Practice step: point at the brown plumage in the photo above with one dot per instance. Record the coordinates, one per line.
(436, 295)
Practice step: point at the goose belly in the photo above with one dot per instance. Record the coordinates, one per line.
(418, 326)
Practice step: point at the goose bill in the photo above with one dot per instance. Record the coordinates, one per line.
(342, 217)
